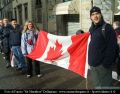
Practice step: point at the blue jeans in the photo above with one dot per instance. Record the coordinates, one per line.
(19, 56)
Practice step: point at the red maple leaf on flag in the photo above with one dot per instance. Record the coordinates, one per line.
(54, 53)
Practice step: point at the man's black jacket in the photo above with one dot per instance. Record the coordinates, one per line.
(102, 50)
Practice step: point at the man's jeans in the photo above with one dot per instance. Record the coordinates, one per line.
(102, 77)
(19, 56)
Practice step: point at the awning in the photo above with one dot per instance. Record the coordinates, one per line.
(117, 13)
(69, 7)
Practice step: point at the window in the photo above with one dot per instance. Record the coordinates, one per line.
(66, 0)
(26, 11)
(8, 1)
(15, 12)
(20, 14)
(38, 11)
(38, 4)
(39, 15)
(10, 15)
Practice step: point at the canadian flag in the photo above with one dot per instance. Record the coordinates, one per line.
(69, 52)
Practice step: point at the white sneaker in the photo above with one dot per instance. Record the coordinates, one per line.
(39, 75)
(28, 76)
(118, 77)
(3, 57)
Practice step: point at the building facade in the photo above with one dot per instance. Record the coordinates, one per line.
(6, 9)
(62, 16)
(80, 18)
(107, 9)
(67, 17)
(38, 11)
(23, 10)
(117, 10)
(49, 18)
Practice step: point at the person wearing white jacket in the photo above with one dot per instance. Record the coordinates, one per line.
(28, 41)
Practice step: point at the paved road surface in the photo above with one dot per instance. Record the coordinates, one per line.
(54, 78)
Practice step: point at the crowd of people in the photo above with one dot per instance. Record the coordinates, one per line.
(103, 47)
(18, 41)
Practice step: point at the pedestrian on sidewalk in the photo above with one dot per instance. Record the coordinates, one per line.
(5, 41)
(116, 26)
(15, 44)
(102, 50)
(28, 41)
(1, 32)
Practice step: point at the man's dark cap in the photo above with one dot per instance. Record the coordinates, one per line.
(95, 9)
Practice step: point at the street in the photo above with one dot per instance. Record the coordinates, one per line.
(53, 78)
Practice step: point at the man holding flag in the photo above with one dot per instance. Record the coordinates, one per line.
(72, 53)
(102, 50)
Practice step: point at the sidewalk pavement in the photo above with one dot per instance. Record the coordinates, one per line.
(53, 78)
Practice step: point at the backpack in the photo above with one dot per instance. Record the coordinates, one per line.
(103, 33)
(117, 62)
